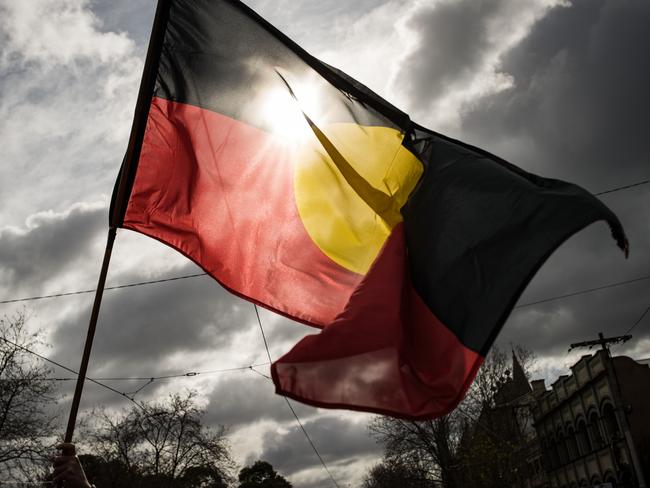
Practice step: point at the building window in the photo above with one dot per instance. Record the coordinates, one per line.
(561, 449)
(571, 445)
(611, 424)
(554, 449)
(546, 460)
(594, 431)
(584, 446)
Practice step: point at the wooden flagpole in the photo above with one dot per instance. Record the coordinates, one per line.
(72, 419)
(123, 192)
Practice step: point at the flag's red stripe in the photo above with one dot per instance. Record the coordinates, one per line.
(387, 352)
(221, 192)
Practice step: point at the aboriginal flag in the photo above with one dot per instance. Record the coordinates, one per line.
(301, 190)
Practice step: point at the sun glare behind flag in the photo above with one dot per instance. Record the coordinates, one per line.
(301, 190)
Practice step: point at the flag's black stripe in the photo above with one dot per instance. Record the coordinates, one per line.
(336, 77)
(222, 56)
(477, 230)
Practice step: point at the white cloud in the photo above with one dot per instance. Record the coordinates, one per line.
(466, 41)
(371, 46)
(62, 32)
(67, 95)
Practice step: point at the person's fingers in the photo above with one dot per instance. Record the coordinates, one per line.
(67, 466)
(67, 448)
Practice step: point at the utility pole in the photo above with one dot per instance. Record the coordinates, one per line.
(617, 393)
(601, 341)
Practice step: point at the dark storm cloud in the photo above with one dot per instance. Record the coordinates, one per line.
(578, 111)
(157, 330)
(550, 328)
(134, 17)
(241, 399)
(51, 244)
(453, 39)
(338, 440)
(580, 93)
(141, 327)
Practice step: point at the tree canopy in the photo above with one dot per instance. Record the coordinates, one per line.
(26, 398)
(261, 475)
(162, 444)
(478, 444)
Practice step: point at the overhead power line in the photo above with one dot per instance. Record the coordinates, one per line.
(188, 374)
(302, 427)
(620, 188)
(638, 321)
(149, 379)
(166, 377)
(70, 370)
(582, 292)
(117, 287)
(164, 280)
(129, 285)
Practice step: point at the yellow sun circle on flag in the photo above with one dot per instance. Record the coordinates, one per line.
(349, 188)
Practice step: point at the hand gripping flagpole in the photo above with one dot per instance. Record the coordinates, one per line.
(121, 196)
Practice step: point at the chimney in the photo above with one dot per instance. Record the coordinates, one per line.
(539, 388)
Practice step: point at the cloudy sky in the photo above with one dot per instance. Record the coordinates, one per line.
(557, 87)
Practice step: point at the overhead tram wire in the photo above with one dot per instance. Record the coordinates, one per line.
(196, 275)
(632, 327)
(582, 292)
(99, 381)
(116, 287)
(638, 321)
(166, 377)
(150, 379)
(129, 285)
(620, 188)
(122, 394)
(130, 398)
(139, 405)
(302, 427)
(62, 366)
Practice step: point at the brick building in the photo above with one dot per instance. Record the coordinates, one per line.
(594, 425)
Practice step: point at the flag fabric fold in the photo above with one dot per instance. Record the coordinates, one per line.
(299, 189)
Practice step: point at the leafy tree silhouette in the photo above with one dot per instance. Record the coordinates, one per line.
(261, 475)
